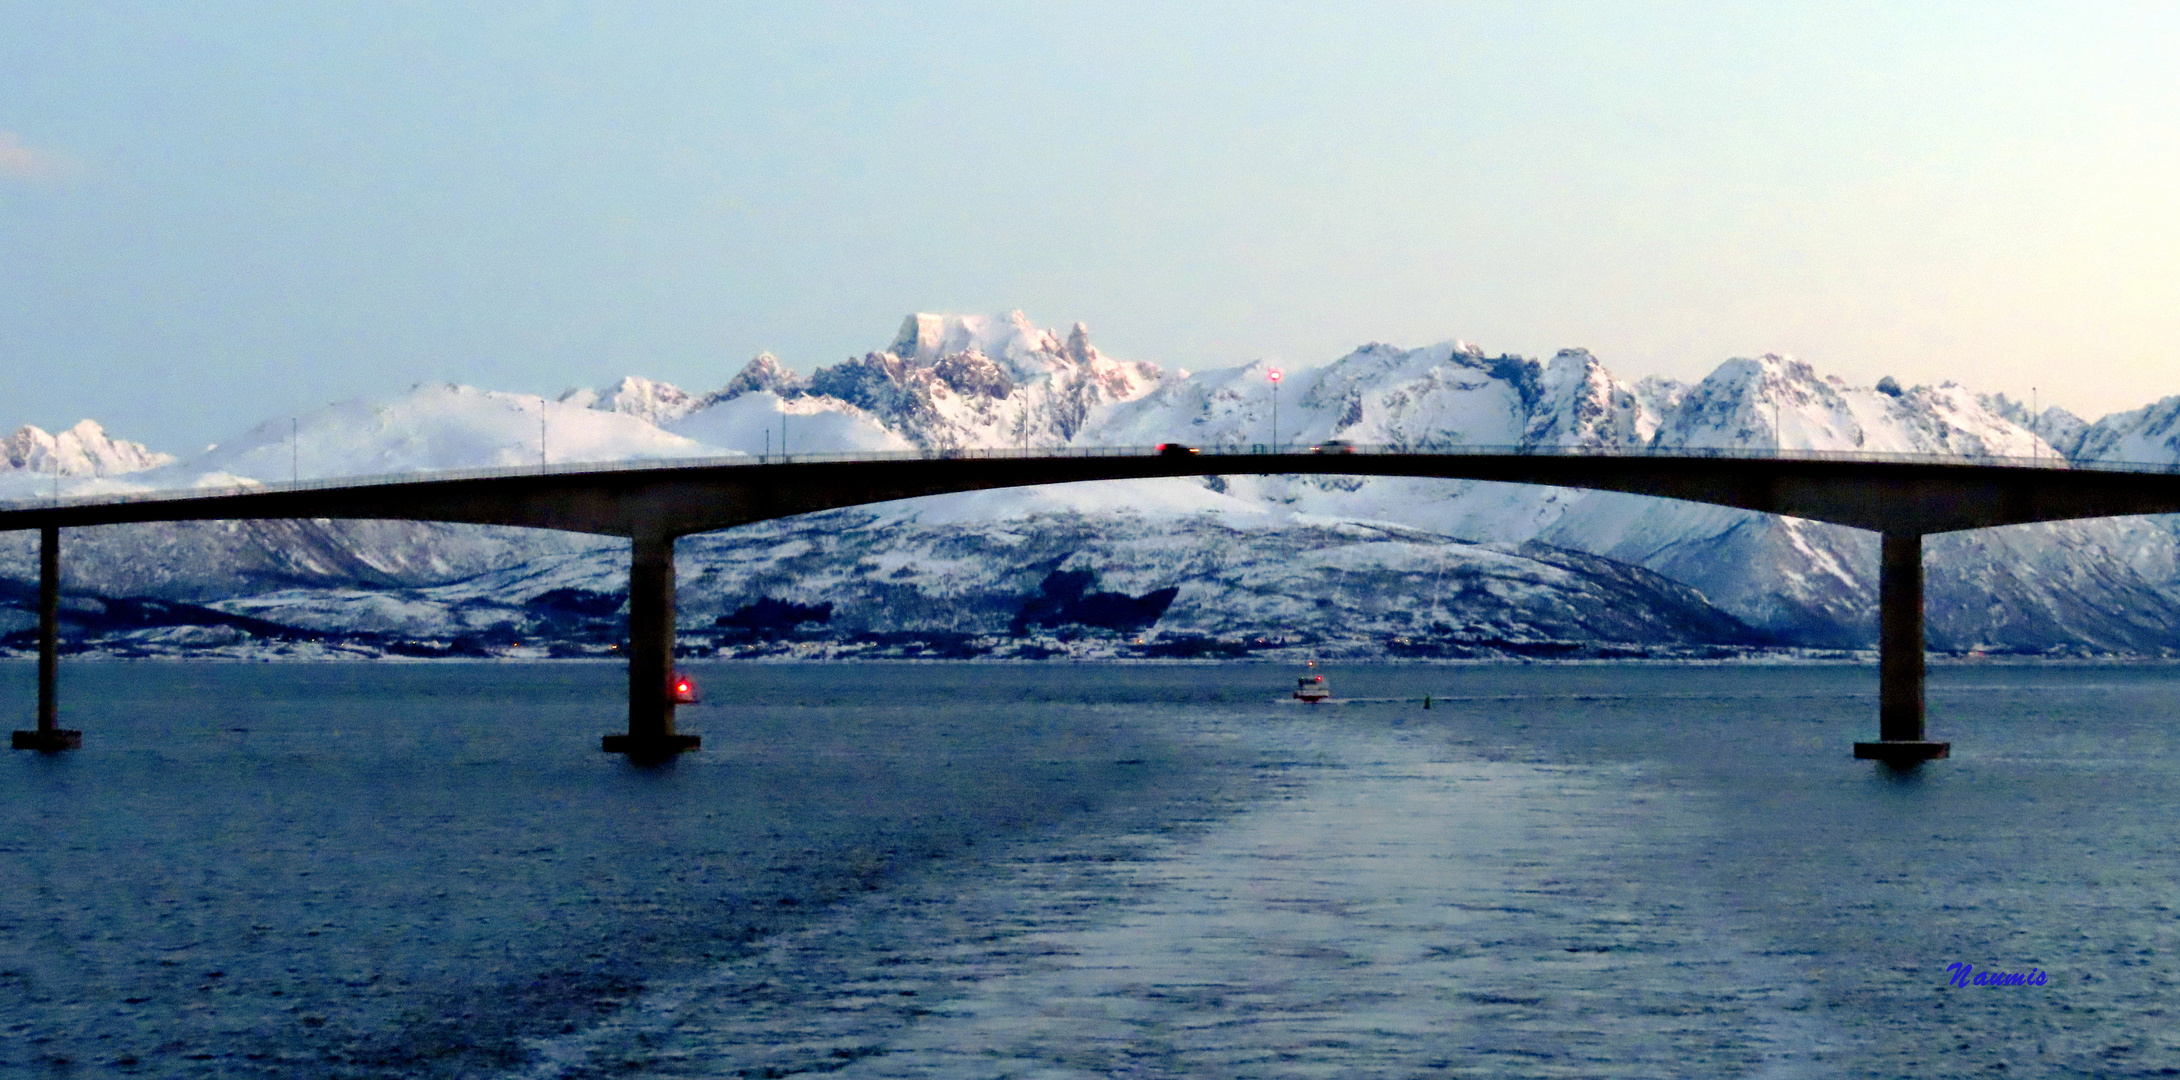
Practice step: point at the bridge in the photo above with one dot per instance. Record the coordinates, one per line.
(652, 503)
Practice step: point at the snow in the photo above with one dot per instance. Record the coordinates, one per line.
(1149, 499)
(750, 424)
(956, 381)
(1437, 395)
(83, 450)
(1011, 340)
(31, 459)
(432, 427)
(2150, 435)
(655, 403)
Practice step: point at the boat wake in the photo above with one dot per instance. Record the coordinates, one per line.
(1386, 911)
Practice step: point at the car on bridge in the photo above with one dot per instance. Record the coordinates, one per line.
(1333, 446)
(1174, 449)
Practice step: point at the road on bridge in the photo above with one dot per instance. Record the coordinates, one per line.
(1902, 497)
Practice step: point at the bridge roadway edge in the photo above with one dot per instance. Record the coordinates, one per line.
(652, 506)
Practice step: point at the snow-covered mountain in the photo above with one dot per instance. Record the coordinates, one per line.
(429, 427)
(953, 381)
(83, 450)
(436, 426)
(948, 381)
(655, 403)
(876, 580)
(432, 426)
(1803, 580)
(2150, 433)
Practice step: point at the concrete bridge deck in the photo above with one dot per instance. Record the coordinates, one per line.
(1902, 497)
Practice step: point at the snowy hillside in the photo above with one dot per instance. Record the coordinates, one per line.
(654, 403)
(2147, 434)
(430, 427)
(1801, 580)
(872, 582)
(762, 422)
(433, 427)
(1807, 581)
(30, 459)
(948, 381)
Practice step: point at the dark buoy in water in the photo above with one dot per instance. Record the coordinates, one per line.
(1426, 701)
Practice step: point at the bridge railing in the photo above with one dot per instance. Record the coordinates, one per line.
(992, 453)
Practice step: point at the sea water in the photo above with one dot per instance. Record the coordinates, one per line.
(1090, 871)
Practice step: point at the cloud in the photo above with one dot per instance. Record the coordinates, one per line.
(31, 163)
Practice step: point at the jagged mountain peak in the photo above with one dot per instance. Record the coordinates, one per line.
(2148, 434)
(1078, 343)
(1011, 339)
(83, 450)
(2061, 430)
(1452, 363)
(1779, 401)
(971, 380)
(1579, 403)
(764, 373)
(1767, 372)
(653, 402)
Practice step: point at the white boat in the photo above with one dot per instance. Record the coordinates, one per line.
(1311, 688)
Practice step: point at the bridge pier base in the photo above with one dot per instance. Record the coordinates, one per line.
(1900, 658)
(49, 736)
(651, 735)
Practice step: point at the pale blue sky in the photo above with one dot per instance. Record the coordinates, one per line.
(212, 214)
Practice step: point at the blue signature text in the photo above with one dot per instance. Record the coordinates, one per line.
(1966, 974)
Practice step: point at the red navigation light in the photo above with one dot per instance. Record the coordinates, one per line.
(1274, 376)
(683, 690)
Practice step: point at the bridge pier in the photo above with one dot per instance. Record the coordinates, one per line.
(49, 735)
(651, 735)
(1900, 658)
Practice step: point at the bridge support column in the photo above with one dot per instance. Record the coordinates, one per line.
(651, 734)
(1900, 658)
(49, 735)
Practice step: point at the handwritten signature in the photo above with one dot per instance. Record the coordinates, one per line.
(1966, 974)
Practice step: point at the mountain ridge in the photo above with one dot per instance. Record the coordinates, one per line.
(960, 381)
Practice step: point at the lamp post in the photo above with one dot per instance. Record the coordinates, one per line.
(1275, 376)
(1777, 443)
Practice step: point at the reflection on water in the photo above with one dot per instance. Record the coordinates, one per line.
(932, 870)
